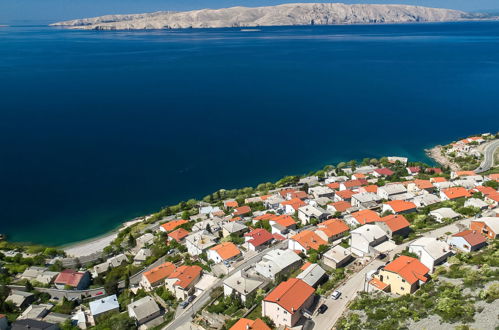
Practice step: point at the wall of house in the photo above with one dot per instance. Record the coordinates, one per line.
(397, 284)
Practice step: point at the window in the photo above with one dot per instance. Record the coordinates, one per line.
(402, 288)
(403, 281)
(285, 312)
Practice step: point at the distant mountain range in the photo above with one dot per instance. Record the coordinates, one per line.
(287, 14)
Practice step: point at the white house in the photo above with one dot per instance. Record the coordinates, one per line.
(389, 190)
(277, 262)
(444, 213)
(468, 240)
(430, 251)
(365, 199)
(241, 284)
(313, 275)
(144, 310)
(337, 257)
(364, 238)
(321, 191)
(199, 242)
(476, 202)
(307, 212)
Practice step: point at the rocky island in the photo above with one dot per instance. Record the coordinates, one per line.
(282, 15)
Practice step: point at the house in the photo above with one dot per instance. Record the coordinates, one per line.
(321, 191)
(390, 190)
(33, 325)
(112, 262)
(273, 202)
(430, 251)
(277, 262)
(364, 239)
(172, 225)
(205, 284)
(403, 275)
(365, 200)
(142, 256)
(241, 284)
(337, 257)
(307, 212)
(286, 304)
(358, 176)
(362, 217)
(297, 194)
(230, 204)
(181, 282)
(313, 275)
(155, 277)
(284, 221)
(344, 195)
(144, 310)
(352, 184)
(492, 199)
(333, 185)
(340, 206)
(247, 324)
(257, 239)
(320, 202)
(292, 205)
(39, 274)
(305, 240)
(394, 225)
(399, 206)
(425, 200)
(372, 188)
(467, 241)
(395, 159)
(143, 241)
(382, 172)
(477, 203)
(241, 211)
(178, 235)
(454, 193)
(223, 252)
(434, 170)
(35, 312)
(444, 213)
(21, 299)
(208, 209)
(199, 242)
(413, 170)
(487, 226)
(331, 230)
(72, 279)
(420, 185)
(309, 180)
(101, 307)
(458, 174)
(233, 228)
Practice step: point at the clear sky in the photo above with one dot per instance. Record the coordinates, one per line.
(12, 11)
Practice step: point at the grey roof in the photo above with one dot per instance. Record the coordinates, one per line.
(276, 260)
(475, 202)
(370, 232)
(35, 311)
(366, 197)
(56, 318)
(242, 283)
(445, 212)
(434, 247)
(104, 305)
(234, 227)
(426, 199)
(312, 274)
(111, 262)
(143, 308)
(18, 297)
(337, 254)
(393, 189)
(31, 324)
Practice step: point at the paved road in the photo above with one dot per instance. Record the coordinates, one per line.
(186, 315)
(357, 282)
(488, 159)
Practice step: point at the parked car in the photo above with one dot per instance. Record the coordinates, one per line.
(184, 303)
(191, 298)
(322, 308)
(381, 256)
(335, 295)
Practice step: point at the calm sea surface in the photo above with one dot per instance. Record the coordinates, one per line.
(99, 127)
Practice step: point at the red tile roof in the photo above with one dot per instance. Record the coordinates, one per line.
(395, 222)
(171, 225)
(298, 194)
(435, 170)
(378, 284)
(345, 194)
(284, 192)
(384, 171)
(341, 206)
(473, 237)
(333, 227)
(456, 192)
(295, 203)
(247, 324)
(185, 275)
(178, 234)
(423, 184)
(260, 236)
(231, 204)
(226, 250)
(465, 173)
(366, 216)
(309, 240)
(410, 269)
(69, 277)
(370, 188)
(401, 206)
(438, 179)
(291, 294)
(486, 190)
(334, 185)
(354, 183)
(242, 210)
(160, 272)
(284, 220)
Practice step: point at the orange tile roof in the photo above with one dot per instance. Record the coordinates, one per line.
(305, 265)
(266, 216)
(472, 237)
(494, 197)
(247, 324)
(242, 210)
(334, 185)
(284, 220)
(401, 206)
(295, 203)
(366, 216)
(465, 173)
(370, 188)
(160, 272)
(378, 284)
(345, 194)
(178, 234)
(438, 179)
(423, 184)
(231, 204)
(264, 197)
(185, 275)
(299, 194)
(69, 277)
(172, 225)
(354, 183)
(494, 176)
(291, 294)
(395, 222)
(456, 192)
(410, 269)
(235, 219)
(226, 250)
(333, 227)
(341, 206)
(309, 240)
(284, 192)
(486, 190)
(359, 175)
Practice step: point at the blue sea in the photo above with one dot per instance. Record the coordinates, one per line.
(99, 127)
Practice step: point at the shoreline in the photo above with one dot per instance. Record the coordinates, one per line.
(435, 153)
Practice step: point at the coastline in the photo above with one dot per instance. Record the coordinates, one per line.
(435, 153)
(96, 244)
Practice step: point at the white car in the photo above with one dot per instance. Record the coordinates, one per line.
(335, 295)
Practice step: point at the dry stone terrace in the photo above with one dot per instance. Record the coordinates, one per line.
(273, 254)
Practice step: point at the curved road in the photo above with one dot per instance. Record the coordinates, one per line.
(488, 160)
